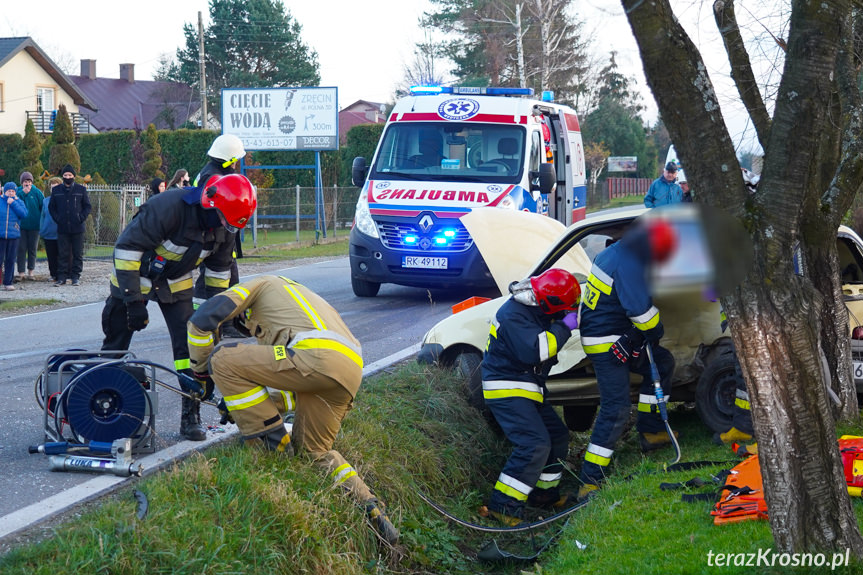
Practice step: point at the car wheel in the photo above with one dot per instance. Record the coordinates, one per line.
(579, 417)
(362, 288)
(716, 391)
(466, 365)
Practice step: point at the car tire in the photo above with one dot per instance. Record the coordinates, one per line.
(363, 288)
(467, 366)
(716, 391)
(579, 417)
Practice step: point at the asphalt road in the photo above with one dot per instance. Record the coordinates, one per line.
(396, 319)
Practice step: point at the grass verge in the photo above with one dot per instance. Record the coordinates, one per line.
(291, 251)
(12, 305)
(234, 510)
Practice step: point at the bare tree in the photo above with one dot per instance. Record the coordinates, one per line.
(425, 67)
(783, 322)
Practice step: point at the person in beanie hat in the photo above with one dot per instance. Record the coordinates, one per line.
(69, 205)
(29, 242)
(48, 230)
(12, 211)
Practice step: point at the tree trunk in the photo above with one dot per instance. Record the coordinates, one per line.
(776, 316)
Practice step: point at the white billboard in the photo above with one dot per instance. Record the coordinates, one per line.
(623, 164)
(282, 118)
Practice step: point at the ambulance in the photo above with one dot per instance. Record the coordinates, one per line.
(445, 152)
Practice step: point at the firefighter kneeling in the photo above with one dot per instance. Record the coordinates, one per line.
(306, 352)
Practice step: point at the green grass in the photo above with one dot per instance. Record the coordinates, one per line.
(633, 200)
(289, 251)
(25, 303)
(239, 510)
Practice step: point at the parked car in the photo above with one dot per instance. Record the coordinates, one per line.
(705, 369)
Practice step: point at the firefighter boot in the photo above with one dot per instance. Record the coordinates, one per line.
(650, 441)
(381, 522)
(550, 499)
(733, 435)
(190, 421)
(509, 515)
(586, 491)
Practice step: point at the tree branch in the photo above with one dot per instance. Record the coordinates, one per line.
(741, 68)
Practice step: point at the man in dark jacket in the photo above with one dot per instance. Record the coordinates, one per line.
(69, 205)
(525, 337)
(154, 258)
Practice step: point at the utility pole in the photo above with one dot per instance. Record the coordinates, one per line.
(203, 79)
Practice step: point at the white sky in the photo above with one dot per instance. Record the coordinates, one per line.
(362, 45)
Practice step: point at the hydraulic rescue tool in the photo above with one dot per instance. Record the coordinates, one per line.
(100, 408)
(660, 401)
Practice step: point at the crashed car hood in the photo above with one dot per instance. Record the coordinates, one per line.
(512, 242)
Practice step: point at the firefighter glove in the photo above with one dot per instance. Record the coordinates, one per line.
(136, 315)
(206, 383)
(570, 320)
(622, 349)
(223, 411)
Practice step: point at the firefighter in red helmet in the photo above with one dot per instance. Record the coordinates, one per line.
(617, 317)
(154, 258)
(525, 336)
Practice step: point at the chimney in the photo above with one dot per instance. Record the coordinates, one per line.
(88, 69)
(127, 72)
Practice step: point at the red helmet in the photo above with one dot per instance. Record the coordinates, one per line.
(556, 290)
(663, 240)
(233, 196)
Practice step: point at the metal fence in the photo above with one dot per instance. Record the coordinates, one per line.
(290, 210)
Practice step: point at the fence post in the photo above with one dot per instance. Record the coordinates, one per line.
(335, 209)
(297, 216)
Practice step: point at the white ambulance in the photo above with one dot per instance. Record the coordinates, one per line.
(444, 152)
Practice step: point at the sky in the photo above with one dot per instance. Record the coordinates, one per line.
(362, 46)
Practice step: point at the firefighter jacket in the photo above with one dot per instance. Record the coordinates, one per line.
(171, 234)
(296, 321)
(522, 348)
(616, 297)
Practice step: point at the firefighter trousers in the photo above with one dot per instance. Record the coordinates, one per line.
(615, 405)
(242, 372)
(118, 336)
(540, 442)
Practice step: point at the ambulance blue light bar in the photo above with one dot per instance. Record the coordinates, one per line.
(469, 91)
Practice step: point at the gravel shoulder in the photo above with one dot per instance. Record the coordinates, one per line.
(94, 284)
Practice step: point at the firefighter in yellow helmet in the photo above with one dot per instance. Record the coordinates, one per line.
(306, 353)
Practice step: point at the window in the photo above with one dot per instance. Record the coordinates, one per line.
(44, 99)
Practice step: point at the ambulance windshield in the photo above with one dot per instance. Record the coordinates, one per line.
(451, 151)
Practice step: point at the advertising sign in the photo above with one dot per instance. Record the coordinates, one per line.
(282, 118)
(623, 164)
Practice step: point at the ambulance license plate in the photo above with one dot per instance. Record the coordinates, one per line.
(428, 263)
(858, 370)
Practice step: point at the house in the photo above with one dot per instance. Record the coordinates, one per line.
(125, 103)
(33, 86)
(360, 112)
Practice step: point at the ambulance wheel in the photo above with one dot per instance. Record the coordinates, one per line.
(466, 366)
(362, 288)
(716, 391)
(579, 417)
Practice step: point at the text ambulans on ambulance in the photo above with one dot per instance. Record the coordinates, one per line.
(447, 151)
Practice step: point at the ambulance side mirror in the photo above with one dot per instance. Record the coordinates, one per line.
(359, 171)
(545, 180)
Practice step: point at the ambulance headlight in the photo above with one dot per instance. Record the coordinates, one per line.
(363, 217)
(508, 203)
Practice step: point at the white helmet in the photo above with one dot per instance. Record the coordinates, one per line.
(227, 147)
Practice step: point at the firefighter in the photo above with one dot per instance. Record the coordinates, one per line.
(741, 429)
(154, 258)
(617, 317)
(525, 336)
(224, 154)
(305, 351)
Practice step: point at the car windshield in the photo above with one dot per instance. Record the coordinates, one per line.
(451, 151)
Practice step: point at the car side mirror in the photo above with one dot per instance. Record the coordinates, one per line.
(358, 171)
(545, 180)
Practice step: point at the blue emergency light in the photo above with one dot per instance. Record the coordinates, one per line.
(547, 96)
(410, 239)
(469, 91)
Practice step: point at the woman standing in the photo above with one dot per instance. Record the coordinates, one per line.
(48, 230)
(12, 211)
(180, 179)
